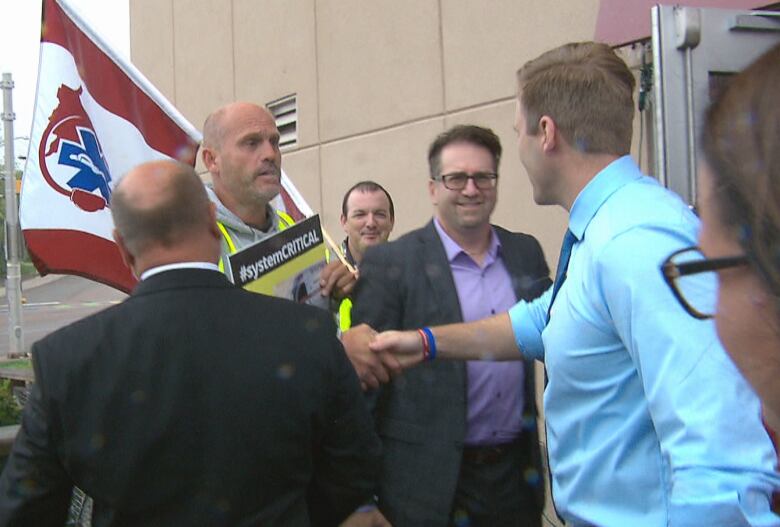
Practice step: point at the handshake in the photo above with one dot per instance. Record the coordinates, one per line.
(378, 357)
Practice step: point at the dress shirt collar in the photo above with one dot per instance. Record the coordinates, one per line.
(590, 199)
(347, 253)
(179, 265)
(452, 249)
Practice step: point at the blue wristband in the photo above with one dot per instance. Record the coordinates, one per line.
(431, 342)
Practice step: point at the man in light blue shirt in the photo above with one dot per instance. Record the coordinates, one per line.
(648, 421)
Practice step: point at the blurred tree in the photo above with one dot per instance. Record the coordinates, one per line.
(9, 408)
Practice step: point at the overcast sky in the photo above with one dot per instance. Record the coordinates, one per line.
(20, 39)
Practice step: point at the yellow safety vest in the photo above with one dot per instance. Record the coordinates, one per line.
(345, 314)
(285, 220)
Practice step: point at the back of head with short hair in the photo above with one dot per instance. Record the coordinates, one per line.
(741, 145)
(180, 210)
(587, 90)
(367, 186)
(463, 133)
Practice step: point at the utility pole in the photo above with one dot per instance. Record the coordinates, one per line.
(13, 283)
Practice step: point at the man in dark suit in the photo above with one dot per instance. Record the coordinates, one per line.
(460, 440)
(193, 402)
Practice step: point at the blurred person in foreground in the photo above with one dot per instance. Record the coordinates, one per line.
(648, 421)
(182, 406)
(739, 202)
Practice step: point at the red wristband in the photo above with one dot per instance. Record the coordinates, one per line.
(426, 347)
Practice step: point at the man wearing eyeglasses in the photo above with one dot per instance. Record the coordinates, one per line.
(460, 440)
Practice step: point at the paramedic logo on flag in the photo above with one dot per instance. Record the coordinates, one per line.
(71, 158)
(96, 117)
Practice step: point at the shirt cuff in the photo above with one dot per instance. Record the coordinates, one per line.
(527, 337)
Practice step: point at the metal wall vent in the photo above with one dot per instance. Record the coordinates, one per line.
(285, 111)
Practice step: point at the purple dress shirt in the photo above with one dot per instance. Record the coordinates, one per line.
(495, 389)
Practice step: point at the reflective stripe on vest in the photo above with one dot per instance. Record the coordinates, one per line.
(345, 315)
(285, 220)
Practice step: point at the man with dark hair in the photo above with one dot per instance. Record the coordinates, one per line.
(473, 135)
(181, 406)
(367, 217)
(460, 440)
(648, 421)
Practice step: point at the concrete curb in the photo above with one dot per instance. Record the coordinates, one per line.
(33, 282)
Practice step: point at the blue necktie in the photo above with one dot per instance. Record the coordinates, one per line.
(563, 263)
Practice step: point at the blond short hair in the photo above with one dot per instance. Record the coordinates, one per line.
(587, 90)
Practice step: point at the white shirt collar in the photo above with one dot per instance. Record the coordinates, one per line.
(179, 265)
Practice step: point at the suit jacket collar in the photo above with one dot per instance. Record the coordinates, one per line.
(514, 258)
(181, 279)
(432, 260)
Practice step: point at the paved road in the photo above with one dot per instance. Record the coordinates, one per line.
(55, 302)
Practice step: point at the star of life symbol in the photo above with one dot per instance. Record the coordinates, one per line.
(69, 143)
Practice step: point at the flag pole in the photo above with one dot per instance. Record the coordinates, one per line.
(131, 71)
(13, 284)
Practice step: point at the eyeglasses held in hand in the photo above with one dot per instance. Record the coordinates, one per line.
(693, 279)
(459, 180)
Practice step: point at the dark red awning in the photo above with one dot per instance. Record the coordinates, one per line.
(624, 21)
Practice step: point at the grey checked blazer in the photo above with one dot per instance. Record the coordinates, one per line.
(421, 416)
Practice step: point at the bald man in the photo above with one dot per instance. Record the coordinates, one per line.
(241, 152)
(180, 406)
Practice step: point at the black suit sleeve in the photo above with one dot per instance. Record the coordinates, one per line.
(347, 463)
(34, 487)
(378, 293)
(378, 299)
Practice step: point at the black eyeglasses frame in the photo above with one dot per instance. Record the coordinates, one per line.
(672, 271)
(492, 177)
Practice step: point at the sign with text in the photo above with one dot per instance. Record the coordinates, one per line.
(287, 265)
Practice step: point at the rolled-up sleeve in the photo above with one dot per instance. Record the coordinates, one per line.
(528, 321)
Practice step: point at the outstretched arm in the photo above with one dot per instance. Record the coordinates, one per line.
(487, 339)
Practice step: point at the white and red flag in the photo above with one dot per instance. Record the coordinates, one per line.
(96, 116)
